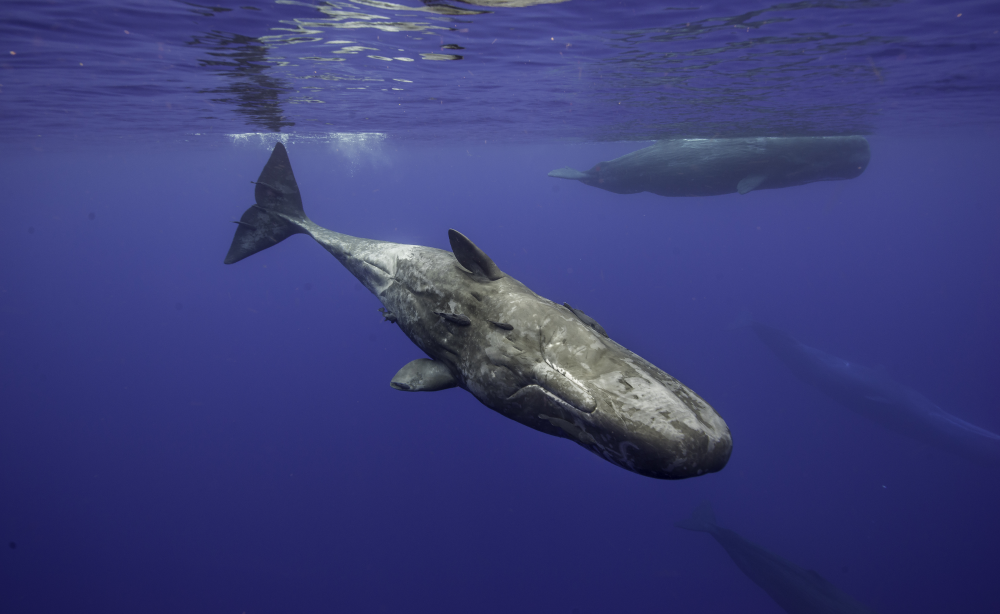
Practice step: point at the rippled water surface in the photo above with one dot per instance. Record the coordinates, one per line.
(497, 70)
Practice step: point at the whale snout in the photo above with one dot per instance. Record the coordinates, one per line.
(665, 430)
(687, 456)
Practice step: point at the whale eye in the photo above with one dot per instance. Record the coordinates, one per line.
(502, 325)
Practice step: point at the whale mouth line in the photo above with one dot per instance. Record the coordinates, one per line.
(550, 396)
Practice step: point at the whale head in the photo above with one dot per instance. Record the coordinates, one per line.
(568, 378)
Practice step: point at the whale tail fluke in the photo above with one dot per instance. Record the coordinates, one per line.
(567, 173)
(272, 219)
(703, 519)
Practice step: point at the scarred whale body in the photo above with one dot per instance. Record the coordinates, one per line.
(709, 167)
(547, 366)
(873, 394)
(796, 590)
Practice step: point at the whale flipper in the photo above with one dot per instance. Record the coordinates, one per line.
(423, 375)
(266, 223)
(567, 173)
(750, 182)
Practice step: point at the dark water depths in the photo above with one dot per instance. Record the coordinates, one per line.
(181, 436)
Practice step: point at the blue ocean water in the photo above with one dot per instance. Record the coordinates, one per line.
(177, 435)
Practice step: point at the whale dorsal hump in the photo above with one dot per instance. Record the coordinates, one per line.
(473, 258)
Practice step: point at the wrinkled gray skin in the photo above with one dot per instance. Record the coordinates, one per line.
(544, 365)
(709, 167)
(796, 590)
(875, 396)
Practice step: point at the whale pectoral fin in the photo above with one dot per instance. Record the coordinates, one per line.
(567, 173)
(423, 375)
(472, 258)
(750, 182)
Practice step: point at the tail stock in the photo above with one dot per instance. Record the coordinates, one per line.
(272, 219)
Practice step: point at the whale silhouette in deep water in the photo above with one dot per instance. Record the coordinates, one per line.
(796, 590)
(709, 167)
(547, 366)
(876, 396)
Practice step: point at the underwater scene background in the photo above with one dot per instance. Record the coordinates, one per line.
(179, 435)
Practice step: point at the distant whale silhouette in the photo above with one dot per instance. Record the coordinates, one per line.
(796, 590)
(874, 395)
(550, 367)
(709, 167)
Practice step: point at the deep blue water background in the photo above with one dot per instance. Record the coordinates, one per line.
(177, 435)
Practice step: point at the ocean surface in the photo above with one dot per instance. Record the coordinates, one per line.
(178, 435)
